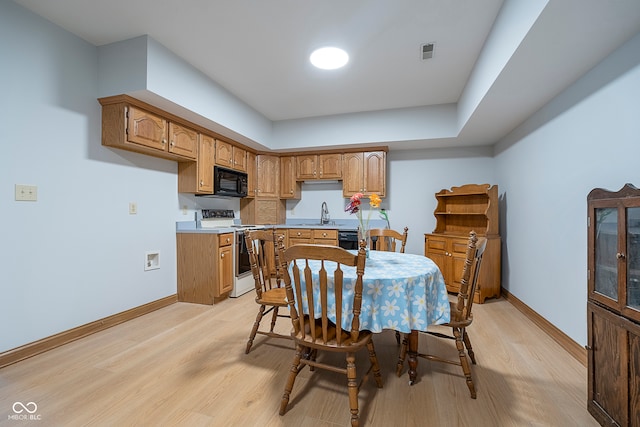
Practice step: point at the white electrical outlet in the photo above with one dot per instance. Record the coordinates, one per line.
(26, 193)
(133, 208)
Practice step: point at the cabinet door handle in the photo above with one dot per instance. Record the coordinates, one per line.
(172, 143)
(221, 255)
(201, 183)
(620, 255)
(164, 141)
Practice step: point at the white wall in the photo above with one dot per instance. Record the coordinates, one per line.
(144, 69)
(413, 178)
(75, 255)
(585, 138)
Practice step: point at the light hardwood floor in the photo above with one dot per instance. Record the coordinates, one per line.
(184, 365)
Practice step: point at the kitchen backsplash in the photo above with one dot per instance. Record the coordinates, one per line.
(308, 207)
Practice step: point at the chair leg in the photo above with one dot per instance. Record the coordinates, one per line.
(374, 363)
(293, 373)
(352, 384)
(254, 330)
(467, 343)
(312, 356)
(274, 317)
(464, 362)
(402, 355)
(398, 337)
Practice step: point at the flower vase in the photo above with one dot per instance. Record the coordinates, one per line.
(363, 234)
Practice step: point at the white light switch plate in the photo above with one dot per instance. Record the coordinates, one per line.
(27, 193)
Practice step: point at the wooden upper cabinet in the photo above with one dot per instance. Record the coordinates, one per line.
(197, 177)
(375, 173)
(224, 154)
(330, 166)
(182, 140)
(206, 154)
(268, 176)
(230, 156)
(364, 173)
(251, 174)
(353, 173)
(153, 131)
(319, 166)
(146, 129)
(306, 167)
(133, 128)
(289, 187)
(239, 159)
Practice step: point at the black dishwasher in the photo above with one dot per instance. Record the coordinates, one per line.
(348, 239)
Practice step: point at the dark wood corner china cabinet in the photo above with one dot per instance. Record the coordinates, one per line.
(613, 306)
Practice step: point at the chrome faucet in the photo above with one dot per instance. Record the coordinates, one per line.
(324, 214)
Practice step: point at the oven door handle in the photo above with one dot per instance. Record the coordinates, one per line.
(242, 244)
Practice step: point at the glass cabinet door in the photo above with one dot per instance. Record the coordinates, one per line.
(633, 258)
(606, 250)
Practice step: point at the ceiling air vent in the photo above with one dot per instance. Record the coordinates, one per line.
(427, 51)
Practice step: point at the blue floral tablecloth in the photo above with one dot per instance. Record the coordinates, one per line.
(400, 292)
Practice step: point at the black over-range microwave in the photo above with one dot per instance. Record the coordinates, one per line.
(228, 183)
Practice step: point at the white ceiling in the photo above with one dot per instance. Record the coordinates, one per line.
(258, 50)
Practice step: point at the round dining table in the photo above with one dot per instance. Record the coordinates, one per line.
(401, 292)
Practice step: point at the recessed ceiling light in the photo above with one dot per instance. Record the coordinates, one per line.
(329, 58)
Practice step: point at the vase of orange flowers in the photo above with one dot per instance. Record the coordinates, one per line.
(354, 207)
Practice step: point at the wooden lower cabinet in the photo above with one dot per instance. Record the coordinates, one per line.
(614, 368)
(325, 237)
(449, 253)
(312, 236)
(299, 235)
(205, 266)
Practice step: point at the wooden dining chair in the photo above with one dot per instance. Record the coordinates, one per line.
(263, 247)
(461, 316)
(314, 329)
(386, 239)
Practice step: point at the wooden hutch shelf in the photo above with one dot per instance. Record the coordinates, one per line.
(460, 210)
